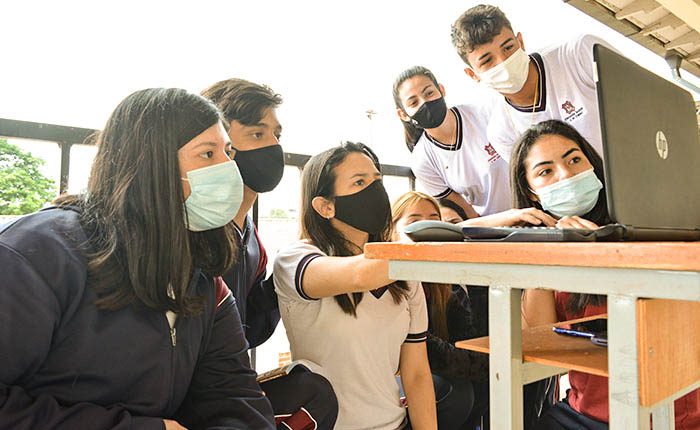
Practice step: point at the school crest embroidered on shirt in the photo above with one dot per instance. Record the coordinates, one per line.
(491, 151)
(570, 111)
(568, 107)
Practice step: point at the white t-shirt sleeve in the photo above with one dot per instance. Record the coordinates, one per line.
(289, 267)
(418, 328)
(429, 181)
(579, 54)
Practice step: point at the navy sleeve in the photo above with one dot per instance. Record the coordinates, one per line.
(223, 393)
(263, 312)
(29, 313)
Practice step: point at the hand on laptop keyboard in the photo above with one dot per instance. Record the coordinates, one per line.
(512, 217)
(576, 222)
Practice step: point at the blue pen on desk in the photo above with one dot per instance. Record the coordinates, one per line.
(569, 332)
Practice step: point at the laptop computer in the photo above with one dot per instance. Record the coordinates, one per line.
(651, 162)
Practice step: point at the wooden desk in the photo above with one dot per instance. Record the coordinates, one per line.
(541, 345)
(625, 272)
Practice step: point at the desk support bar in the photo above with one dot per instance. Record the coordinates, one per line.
(622, 365)
(663, 417)
(505, 340)
(533, 372)
(591, 280)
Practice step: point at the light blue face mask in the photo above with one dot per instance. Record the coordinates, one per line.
(574, 196)
(216, 196)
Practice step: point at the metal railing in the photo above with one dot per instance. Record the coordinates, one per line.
(65, 137)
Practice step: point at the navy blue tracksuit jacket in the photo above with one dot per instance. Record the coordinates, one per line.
(66, 364)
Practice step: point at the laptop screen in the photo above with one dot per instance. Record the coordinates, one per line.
(651, 145)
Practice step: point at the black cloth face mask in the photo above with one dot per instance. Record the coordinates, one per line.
(367, 210)
(262, 168)
(431, 114)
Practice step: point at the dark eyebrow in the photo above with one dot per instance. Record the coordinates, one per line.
(566, 154)
(483, 56)
(207, 143)
(510, 39)
(359, 175)
(422, 91)
(541, 163)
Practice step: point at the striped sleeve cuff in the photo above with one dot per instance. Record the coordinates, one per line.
(416, 338)
(299, 276)
(443, 194)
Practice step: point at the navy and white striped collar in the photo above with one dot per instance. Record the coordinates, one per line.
(458, 140)
(541, 102)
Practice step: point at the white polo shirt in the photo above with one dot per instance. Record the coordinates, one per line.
(567, 93)
(469, 166)
(358, 355)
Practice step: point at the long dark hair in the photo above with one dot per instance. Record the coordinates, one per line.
(521, 189)
(411, 131)
(133, 211)
(318, 179)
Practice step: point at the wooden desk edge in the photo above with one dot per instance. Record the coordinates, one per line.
(677, 256)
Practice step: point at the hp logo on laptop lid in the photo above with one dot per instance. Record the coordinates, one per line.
(661, 144)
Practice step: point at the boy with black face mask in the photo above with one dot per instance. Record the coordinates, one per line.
(250, 115)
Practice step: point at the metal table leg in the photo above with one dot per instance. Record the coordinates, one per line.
(505, 360)
(663, 417)
(625, 411)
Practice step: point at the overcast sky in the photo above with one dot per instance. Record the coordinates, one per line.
(71, 62)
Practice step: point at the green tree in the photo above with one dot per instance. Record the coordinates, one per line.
(278, 213)
(23, 189)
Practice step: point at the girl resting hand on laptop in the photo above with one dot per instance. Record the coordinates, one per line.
(451, 155)
(555, 169)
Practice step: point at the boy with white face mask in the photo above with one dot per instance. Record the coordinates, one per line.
(555, 83)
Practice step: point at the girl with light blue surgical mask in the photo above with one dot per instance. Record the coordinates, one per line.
(555, 169)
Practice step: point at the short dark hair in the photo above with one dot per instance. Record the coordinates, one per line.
(241, 100)
(477, 26)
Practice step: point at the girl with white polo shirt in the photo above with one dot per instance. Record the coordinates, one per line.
(341, 311)
(452, 157)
